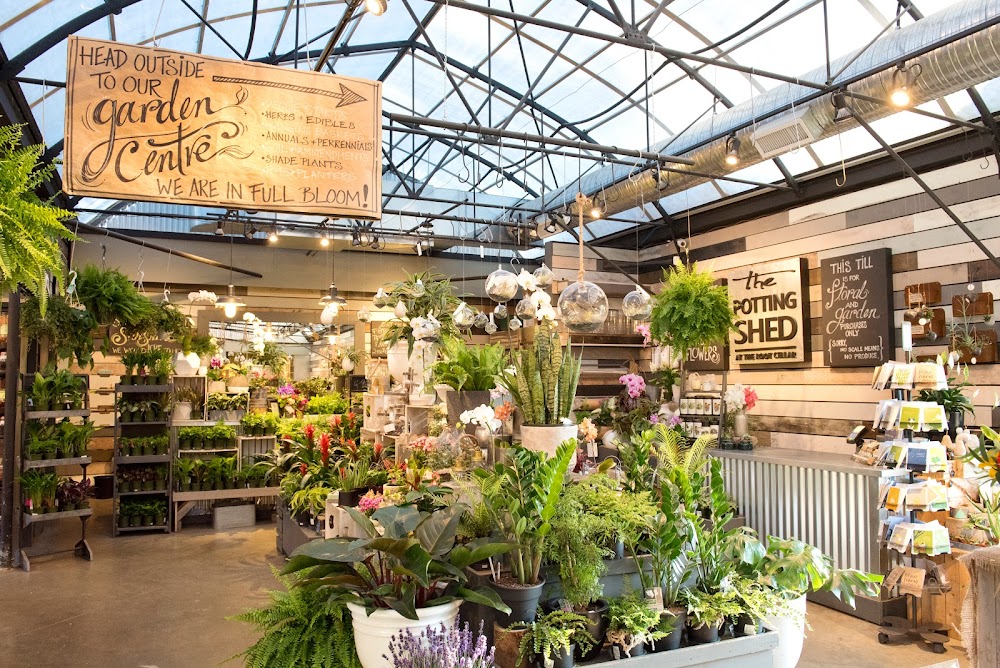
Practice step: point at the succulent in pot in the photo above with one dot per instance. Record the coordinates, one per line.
(407, 573)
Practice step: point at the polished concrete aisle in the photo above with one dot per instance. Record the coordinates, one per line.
(161, 600)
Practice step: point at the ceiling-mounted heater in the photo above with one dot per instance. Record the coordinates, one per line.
(786, 133)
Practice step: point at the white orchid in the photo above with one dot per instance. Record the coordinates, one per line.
(546, 312)
(204, 296)
(527, 281)
(425, 328)
(483, 416)
(540, 298)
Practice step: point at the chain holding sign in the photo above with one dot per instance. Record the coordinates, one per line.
(145, 123)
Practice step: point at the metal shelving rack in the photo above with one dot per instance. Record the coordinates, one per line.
(142, 429)
(82, 548)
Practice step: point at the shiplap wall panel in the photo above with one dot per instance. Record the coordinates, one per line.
(813, 407)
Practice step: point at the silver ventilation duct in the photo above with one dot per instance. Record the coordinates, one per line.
(969, 60)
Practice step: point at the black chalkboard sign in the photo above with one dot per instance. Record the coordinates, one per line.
(713, 357)
(857, 322)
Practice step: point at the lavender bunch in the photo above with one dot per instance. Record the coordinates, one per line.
(441, 647)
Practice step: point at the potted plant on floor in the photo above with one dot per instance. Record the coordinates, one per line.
(632, 624)
(543, 383)
(554, 639)
(469, 372)
(571, 549)
(521, 499)
(407, 573)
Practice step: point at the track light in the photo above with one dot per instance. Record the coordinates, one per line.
(273, 236)
(249, 232)
(596, 210)
(840, 111)
(550, 223)
(733, 151)
(355, 237)
(419, 248)
(376, 7)
(219, 230)
(375, 243)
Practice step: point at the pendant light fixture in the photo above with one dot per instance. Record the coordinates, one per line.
(331, 302)
(230, 304)
(583, 305)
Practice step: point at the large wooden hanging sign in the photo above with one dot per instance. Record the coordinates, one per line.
(150, 124)
(857, 309)
(771, 302)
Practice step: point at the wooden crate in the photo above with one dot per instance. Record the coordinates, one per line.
(946, 609)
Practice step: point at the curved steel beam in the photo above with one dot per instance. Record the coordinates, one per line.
(16, 65)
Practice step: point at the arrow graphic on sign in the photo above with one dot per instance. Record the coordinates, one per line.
(346, 95)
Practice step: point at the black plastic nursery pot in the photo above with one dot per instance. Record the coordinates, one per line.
(350, 498)
(638, 650)
(597, 626)
(704, 634)
(521, 599)
(562, 659)
(674, 638)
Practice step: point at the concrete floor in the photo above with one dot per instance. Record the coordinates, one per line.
(161, 600)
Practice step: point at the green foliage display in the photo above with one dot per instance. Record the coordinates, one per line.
(543, 382)
(521, 497)
(437, 298)
(271, 357)
(553, 634)
(327, 404)
(472, 368)
(691, 311)
(30, 229)
(409, 561)
(571, 547)
(69, 331)
(300, 627)
(669, 533)
(631, 622)
(711, 609)
(110, 295)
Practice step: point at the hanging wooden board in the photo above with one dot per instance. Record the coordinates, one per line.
(986, 338)
(922, 293)
(145, 123)
(972, 305)
(933, 330)
(771, 302)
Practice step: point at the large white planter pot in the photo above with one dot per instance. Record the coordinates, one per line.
(186, 365)
(372, 633)
(546, 438)
(791, 633)
(182, 410)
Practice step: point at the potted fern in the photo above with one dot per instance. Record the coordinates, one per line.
(543, 383)
(469, 373)
(554, 638)
(691, 310)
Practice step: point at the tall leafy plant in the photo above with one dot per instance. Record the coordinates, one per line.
(472, 368)
(544, 379)
(691, 311)
(423, 294)
(521, 498)
(68, 330)
(30, 229)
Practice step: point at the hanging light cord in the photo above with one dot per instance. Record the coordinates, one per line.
(579, 208)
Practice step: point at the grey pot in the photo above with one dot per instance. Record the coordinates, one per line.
(459, 402)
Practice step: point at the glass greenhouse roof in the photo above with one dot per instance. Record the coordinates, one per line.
(463, 66)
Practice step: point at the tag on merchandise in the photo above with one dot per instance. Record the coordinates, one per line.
(592, 449)
(654, 597)
(912, 581)
(893, 577)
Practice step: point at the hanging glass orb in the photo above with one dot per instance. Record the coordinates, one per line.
(544, 276)
(400, 310)
(381, 299)
(501, 311)
(480, 320)
(515, 323)
(637, 305)
(491, 326)
(501, 285)
(584, 307)
(418, 289)
(463, 317)
(364, 315)
(525, 309)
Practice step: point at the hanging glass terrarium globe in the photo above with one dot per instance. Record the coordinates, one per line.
(463, 317)
(381, 299)
(501, 285)
(515, 323)
(637, 305)
(400, 310)
(480, 320)
(583, 305)
(364, 315)
(544, 276)
(525, 309)
(491, 326)
(501, 311)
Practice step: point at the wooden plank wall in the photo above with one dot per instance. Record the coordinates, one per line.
(815, 407)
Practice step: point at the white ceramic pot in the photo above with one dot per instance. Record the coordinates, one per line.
(609, 438)
(372, 633)
(347, 365)
(398, 360)
(182, 410)
(186, 365)
(791, 633)
(546, 438)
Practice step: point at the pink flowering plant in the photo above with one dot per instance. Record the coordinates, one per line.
(408, 560)
(741, 398)
(634, 384)
(370, 502)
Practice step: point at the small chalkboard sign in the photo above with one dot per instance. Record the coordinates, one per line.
(857, 320)
(713, 357)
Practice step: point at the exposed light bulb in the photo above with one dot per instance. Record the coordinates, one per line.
(324, 241)
(900, 97)
(273, 237)
(229, 310)
(596, 212)
(376, 7)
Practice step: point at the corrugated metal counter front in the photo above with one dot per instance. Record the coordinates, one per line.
(824, 499)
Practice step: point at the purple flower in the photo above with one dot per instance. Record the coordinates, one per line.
(286, 390)
(634, 383)
(654, 419)
(441, 647)
(675, 420)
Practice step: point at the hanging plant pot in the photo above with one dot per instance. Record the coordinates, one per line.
(373, 632)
